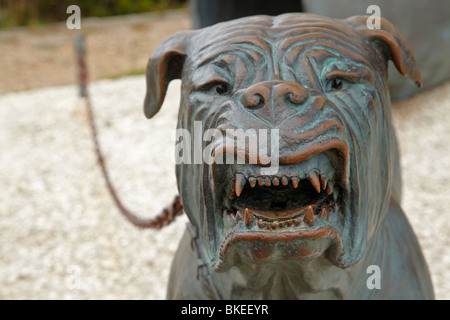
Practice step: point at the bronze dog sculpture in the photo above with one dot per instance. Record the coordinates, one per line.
(317, 226)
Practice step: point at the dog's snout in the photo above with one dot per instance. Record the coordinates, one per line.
(279, 93)
(292, 93)
(256, 96)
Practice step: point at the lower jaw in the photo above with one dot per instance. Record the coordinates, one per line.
(264, 246)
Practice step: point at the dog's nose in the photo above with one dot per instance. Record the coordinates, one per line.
(280, 93)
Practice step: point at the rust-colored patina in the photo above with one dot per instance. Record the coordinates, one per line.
(311, 228)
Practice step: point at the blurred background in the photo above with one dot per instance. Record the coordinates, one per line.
(38, 12)
(61, 237)
(39, 51)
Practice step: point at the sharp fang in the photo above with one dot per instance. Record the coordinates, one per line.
(309, 216)
(247, 217)
(329, 191)
(295, 181)
(323, 182)
(284, 181)
(239, 183)
(239, 216)
(314, 179)
(252, 182)
(276, 181)
(324, 214)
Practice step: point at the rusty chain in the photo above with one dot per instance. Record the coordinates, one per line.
(169, 213)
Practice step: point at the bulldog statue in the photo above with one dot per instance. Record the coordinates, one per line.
(320, 222)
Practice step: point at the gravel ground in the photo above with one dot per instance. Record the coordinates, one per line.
(61, 236)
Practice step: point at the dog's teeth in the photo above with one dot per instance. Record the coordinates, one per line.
(309, 216)
(261, 181)
(323, 182)
(281, 224)
(247, 217)
(252, 182)
(324, 214)
(239, 216)
(261, 223)
(276, 181)
(329, 191)
(314, 179)
(274, 225)
(335, 194)
(295, 181)
(239, 183)
(289, 222)
(267, 182)
(296, 221)
(284, 181)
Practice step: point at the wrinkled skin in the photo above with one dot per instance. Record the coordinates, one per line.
(312, 227)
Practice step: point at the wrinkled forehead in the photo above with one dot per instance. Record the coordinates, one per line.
(275, 45)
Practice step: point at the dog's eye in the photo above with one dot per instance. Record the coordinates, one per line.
(215, 87)
(336, 84)
(221, 88)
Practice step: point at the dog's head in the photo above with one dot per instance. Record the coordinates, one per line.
(311, 92)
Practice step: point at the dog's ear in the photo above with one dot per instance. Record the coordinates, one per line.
(390, 38)
(165, 64)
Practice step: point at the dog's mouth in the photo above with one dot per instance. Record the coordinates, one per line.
(297, 195)
(281, 201)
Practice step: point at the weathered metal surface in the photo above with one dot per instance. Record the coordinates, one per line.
(426, 25)
(330, 211)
